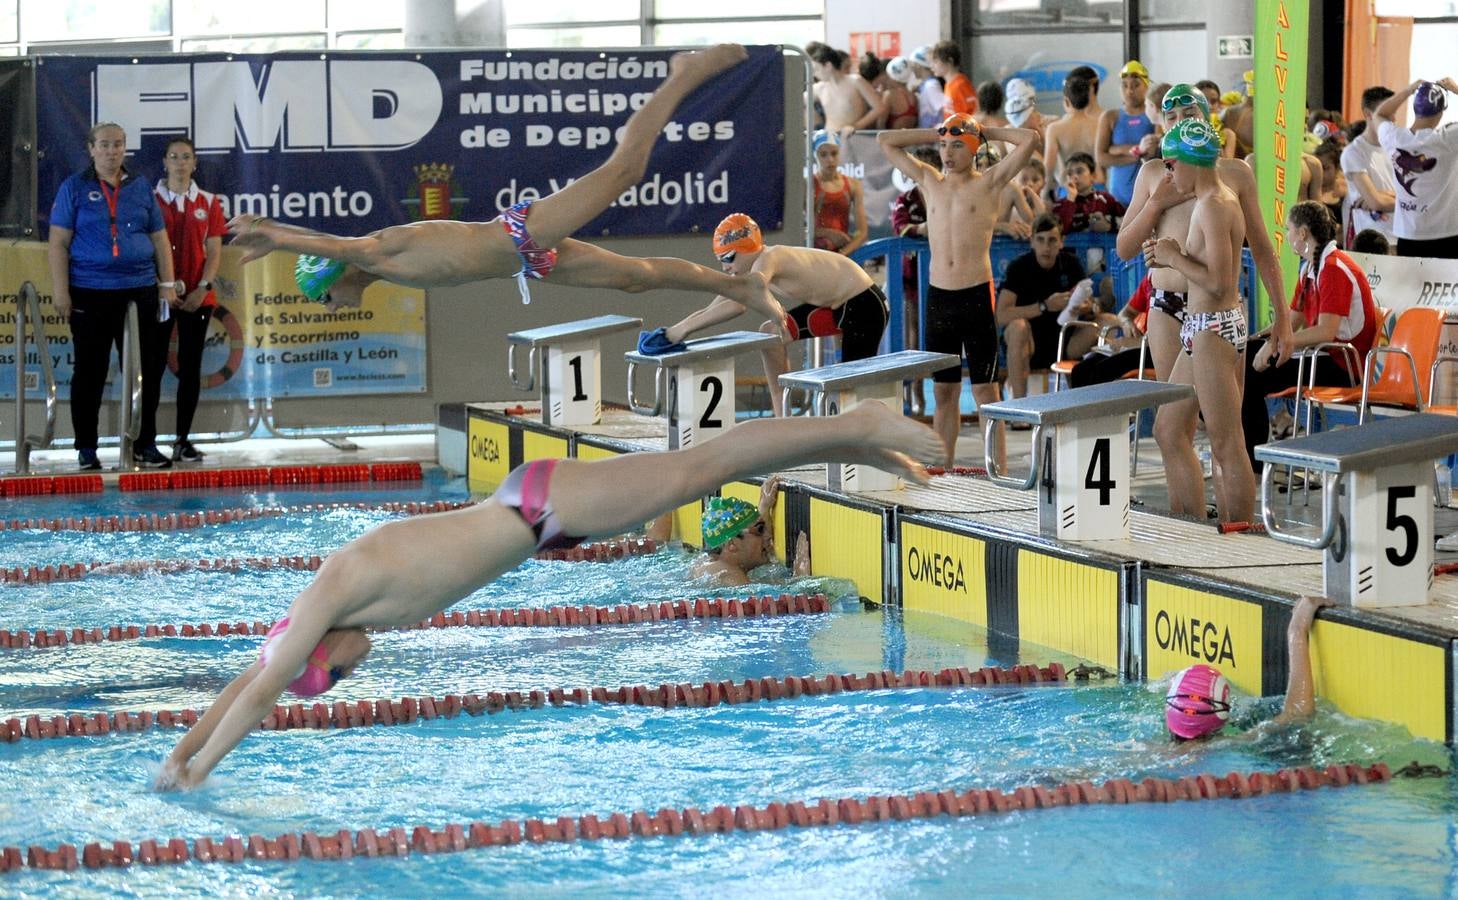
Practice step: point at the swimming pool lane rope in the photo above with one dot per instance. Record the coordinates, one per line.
(406, 710)
(185, 520)
(599, 551)
(691, 821)
(516, 617)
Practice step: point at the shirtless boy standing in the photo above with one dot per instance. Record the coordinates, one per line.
(530, 240)
(1160, 209)
(849, 101)
(1074, 133)
(826, 292)
(1213, 335)
(961, 208)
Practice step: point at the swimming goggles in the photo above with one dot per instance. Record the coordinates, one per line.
(957, 131)
(727, 258)
(1216, 706)
(1172, 101)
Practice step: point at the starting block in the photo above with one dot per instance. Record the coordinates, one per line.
(569, 380)
(1376, 505)
(836, 388)
(1079, 438)
(695, 386)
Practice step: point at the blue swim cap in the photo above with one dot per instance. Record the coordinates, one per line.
(1429, 100)
(1191, 141)
(823, 137)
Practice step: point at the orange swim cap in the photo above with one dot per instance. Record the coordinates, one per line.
(964, 128)
(738, 233)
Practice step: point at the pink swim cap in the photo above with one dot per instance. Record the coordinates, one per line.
(316, 678)
(1198, 702)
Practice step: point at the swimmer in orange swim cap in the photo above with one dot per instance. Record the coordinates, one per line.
(827, 294)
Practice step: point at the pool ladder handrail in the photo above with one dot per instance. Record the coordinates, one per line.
(131, 379)
(28, 301)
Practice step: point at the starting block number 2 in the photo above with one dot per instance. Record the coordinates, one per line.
(702, 407)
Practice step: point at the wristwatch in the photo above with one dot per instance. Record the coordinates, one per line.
(1042, 306)
(205, 284)
(176, 286)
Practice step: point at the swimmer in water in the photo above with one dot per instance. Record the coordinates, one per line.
(531, 240)
(739, 537)
(404, 571)
(1198, 703)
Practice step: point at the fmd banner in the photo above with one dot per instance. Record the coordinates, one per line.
(350, 142)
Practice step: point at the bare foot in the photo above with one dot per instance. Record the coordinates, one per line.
(890, 441)
(756, 295)
(699, 66)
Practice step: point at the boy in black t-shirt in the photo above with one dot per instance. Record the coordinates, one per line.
(1037, 288)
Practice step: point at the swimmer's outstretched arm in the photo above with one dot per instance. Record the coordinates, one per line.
(250, 696)
(721, 310)
(1300, 686)
(260, 236)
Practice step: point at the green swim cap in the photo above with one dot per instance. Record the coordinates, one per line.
(725, 518)
(1184, 94)
(316, 274)
(1193, 142)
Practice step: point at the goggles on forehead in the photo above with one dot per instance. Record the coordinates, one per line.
(1171, 101)
(956, 131)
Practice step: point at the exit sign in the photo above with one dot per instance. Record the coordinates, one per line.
(1235, 46)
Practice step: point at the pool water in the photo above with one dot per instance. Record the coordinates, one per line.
(1395, 839)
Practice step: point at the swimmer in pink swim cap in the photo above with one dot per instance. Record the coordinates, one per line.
(1197, 704)
(407, 570)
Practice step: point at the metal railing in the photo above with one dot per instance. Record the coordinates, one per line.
(27, 303)
(131, 377)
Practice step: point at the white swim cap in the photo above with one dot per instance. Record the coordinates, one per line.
(899, 69)
(1019, 101)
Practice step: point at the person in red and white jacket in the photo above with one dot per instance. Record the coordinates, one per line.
(1333, 302)
(195, 228)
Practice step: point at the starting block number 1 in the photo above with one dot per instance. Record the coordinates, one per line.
(573, 374)
(1085, 483)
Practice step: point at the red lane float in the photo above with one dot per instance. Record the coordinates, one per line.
(184, 520)
(386, 712)
(602, 551)
(538, 617)
(964, 471)
(722, 819)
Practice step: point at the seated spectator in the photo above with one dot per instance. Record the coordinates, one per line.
(1333, 302)
(1370, 240)
(1087, 209)
(1021, 202)
(1120, 355)
(1371, 183)
(1038, 287)
(739, 538)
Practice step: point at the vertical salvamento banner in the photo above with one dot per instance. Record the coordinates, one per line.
(1280, 122)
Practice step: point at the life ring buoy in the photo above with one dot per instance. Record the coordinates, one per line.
(221, 316)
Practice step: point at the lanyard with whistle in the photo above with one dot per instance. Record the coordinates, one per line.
(111, 194)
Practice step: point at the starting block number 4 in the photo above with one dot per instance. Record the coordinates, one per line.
(573, 376)
(701, 403)
(1382, 554)
(1084, 489)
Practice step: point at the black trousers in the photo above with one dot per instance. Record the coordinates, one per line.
(98, 322)
(192, 333)
(1255, 417)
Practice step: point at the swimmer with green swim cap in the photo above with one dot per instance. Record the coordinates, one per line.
(738, 537)
(1183, 95)
(1191, 141)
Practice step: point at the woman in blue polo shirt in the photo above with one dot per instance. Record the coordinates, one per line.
(108, 247)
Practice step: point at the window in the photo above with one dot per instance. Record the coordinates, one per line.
(370, 40)
(527, 12)
(797, 32)
(250, 17)
(1172, 12)
(258, 44)
(377, 15)
(1071, 14)
(9, 22)
(695, 9)
(574, 36)
(74, 20)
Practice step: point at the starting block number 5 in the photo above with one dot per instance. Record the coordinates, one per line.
(1383, 550)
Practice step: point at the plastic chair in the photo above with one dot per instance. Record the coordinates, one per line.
(1402, 384)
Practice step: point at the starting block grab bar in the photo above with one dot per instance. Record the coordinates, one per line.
(1085, 495)
(1376, 507)
(876, 377)
(568, 375)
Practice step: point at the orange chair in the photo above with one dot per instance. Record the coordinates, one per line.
(1062, 369)
(1403, 384)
